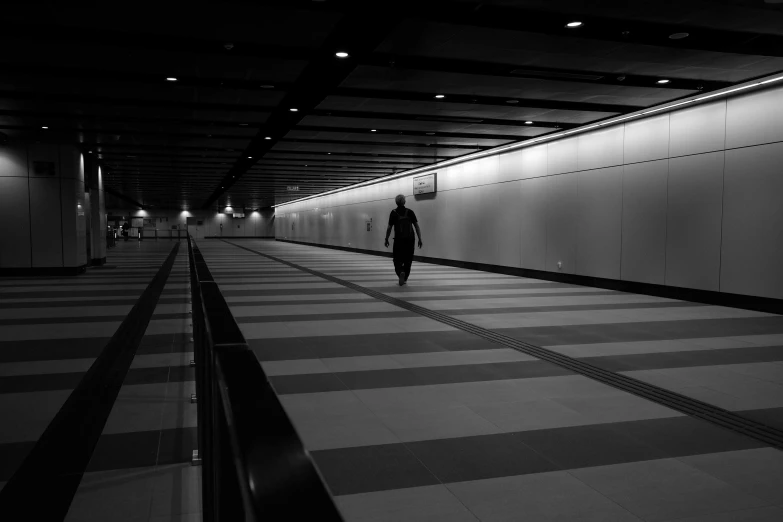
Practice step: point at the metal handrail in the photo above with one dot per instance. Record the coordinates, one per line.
(255, 466)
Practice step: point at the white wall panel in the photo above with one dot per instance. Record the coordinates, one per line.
(601, 148)
(13, 161)
(46, 225)
(532, 223)
(562, 156)
(644, 222)
(693, 230)
(646, 139)
(562, 201)
(599, 217)
(755, 118)
(472, 217)
(752, 247)
(14, 220)
(484, 234)
(698, 129)
(505, 228)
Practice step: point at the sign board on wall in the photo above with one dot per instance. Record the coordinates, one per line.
(425, 184)
(292, 188)
(239, 214)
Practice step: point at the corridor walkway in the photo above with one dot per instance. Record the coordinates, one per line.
(52, 330)
(411, 419)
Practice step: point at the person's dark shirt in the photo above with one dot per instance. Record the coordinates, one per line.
(395, 216)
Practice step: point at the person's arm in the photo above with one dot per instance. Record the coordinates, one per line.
(388, 231)
(418, 232)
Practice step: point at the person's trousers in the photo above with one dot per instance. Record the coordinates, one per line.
(403, 256)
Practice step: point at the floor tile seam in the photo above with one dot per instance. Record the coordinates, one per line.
(649, 392)
(65, 319)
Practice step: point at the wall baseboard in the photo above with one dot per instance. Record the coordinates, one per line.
(747, 302)
(43, 271)
(239, 237)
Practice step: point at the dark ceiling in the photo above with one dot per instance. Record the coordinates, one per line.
(97, 76)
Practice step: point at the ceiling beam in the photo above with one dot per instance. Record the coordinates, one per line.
(507, 70)
(486, 100)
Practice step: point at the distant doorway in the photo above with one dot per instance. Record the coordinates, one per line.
(196, 227)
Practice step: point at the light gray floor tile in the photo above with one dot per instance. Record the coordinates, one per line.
(335, 420)
(758, 472)
(618, 408)
(123, 495)
(421, 504)
(665, 489)
(529, 415)
(761, 514)
(31, 413)
(554, 496)
(176, 490)
(437, 423)
(294, 367)
(418, 360)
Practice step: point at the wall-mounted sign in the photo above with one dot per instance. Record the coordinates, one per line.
(424, 184)
(44, 168)
(292, 188)
(239, 214)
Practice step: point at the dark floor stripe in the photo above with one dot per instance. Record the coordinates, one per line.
(71, 294)
(86, 348)
(402, 377)
(117, 451)
(647, 331)
(366, 344)
(67, 381)
(395, 466)
(689, 358)
(565, 308)
(663, 396)
(364, 299)
(79, 303)
(390, 287)
(60, 457)
(358, 316)
(83, 319)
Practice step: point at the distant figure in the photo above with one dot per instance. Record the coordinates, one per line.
(125, 230)
(404, 221)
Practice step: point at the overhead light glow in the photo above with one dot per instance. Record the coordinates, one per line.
(293, 109)
(373, 130)
(268, 138)
(440, 95)
(250, 157)
(341, 54)
(528, 122)
(44, 127)
(663, 81)
(573, 24)
(171, 79)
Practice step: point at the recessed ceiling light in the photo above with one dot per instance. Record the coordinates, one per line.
(250, 157)
(44, 127)
(171, 79)
(328, 152)
(341, 54)
(573, 24)
(373, 130)
(268, 138)
(293, 110)
(440, 96)
(663, 81)
(528, 122)
(678, 36)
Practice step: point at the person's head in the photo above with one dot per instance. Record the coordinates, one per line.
(400, 200)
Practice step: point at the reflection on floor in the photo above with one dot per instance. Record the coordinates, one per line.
(410, 419)
(51, 330)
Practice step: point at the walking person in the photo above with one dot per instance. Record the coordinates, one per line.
(404, 221)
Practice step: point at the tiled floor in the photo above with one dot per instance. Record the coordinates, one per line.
(411, 419)
(52, 329)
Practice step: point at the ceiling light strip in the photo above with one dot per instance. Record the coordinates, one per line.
(527, 143)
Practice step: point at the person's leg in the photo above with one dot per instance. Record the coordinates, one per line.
(409, 260)
(399, 259)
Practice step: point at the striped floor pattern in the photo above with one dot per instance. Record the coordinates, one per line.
(51, 331)
(410, 419)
